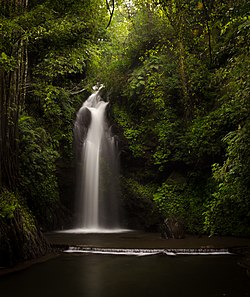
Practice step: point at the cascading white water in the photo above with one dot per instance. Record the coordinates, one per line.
(97, 201)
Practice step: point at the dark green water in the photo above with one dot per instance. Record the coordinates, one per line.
(129, 276)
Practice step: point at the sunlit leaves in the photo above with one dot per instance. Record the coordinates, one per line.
(8, 204)
(63, 62)
(7, 63)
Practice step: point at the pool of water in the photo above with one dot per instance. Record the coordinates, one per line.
(74, 275)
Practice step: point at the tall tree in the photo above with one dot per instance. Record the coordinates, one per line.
(13, 77)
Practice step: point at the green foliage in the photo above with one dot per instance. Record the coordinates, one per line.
(203, 138)
(8, 63)
(150, 28)
(63, 48)
(233, 188)
(37, 169)
(64, 42)
(138, 204)
(46, 52)
(149, 124)
(169, 199)
(167, 131)
(56, 110)
(11, 206)
(185, 201)
(131, 131)
(69, 48)
(181, 92)
(235, 35)
(147, 87)
(8, 204)
(228, 211)
(141, 191)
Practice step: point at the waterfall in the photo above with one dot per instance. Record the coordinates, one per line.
(98, 167)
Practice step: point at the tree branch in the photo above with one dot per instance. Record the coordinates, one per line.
(111, 11)
(77, 92)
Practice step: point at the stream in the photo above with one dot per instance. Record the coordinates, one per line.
(94, 275)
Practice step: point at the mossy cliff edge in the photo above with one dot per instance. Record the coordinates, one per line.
(20, 238)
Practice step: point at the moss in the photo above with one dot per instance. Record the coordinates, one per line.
(140, 210)
(8, 204)
(19, 236)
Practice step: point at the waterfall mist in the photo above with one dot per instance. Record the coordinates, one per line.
(98, 168)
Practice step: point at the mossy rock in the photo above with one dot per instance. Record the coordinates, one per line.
(20, 239)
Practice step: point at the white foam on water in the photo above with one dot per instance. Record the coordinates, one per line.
(148, 252)
(93, 231)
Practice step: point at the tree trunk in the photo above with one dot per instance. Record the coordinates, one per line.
(12, 95)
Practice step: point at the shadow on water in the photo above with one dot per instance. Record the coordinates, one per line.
(128, 276)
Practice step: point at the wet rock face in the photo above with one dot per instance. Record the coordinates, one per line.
(85, 117)
(172, 228)
(84, 120)
(81, 128)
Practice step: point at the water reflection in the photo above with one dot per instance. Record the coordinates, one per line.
(126, 276)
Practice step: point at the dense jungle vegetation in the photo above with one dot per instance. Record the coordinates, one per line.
(177, 76)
